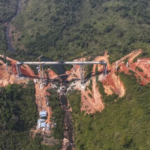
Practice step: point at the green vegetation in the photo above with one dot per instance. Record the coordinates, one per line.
(19, 114)
(57, 133)
(139, 69)
(88, 70)
(7, 9)
(106, 98)
(57, 114)
(123, 125)
(90, 95)
(90, 85)
(66, 29)
(17, 117)
(132, 73)
(142, 55)
(5, 61)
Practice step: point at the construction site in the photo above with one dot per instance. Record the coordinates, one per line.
(91, 98)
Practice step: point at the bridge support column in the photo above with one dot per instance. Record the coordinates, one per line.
(42, 73)
(82, 75)
(7, 68)
(105, 69)
(116, 65)
(18, 70)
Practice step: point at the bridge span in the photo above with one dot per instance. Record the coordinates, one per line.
(81, 63)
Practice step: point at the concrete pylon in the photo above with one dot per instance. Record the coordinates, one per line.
(127, 64)
(116, 65)
(18, 70)
(7, 68)
(105, 69)
(82, 74)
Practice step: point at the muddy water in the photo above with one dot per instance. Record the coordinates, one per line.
(68, 134)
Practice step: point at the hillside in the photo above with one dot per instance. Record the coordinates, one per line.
(17, 117)
(7, 10)
(122, 125)
(65, 29)
(112, 112)
(102, 120)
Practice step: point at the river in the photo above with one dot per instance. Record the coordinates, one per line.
(60, 69)
(8, 38)
(68, 133)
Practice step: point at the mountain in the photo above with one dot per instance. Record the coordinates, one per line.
(122, 125)
(65, 29)
(69, 29)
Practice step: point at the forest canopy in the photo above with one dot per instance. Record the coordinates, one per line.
(67, 29)
(18, 115)
(123, 124)
(7, 11)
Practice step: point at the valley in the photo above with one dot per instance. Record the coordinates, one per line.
(99, 106)
(91, 95)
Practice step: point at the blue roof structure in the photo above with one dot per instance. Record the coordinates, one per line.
(41, 120)
(43, 114)
(43, 125)
(48, 126)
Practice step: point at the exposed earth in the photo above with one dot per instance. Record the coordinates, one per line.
(91, 97)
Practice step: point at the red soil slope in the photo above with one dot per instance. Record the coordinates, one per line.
(91, 99)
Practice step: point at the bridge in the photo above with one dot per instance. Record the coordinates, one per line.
(80, 63)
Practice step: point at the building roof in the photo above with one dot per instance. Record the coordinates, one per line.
(48, 125)
(41, 120)
(43, 125)
(43, 113)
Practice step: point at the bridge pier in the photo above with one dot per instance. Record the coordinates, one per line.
(7, 68)
(18, 70)
(116, 65)
(82, 75)
(105, 69)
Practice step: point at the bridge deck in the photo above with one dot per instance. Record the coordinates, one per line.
(63, 63)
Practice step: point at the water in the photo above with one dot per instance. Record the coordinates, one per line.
(67, 121)
(59, 68)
